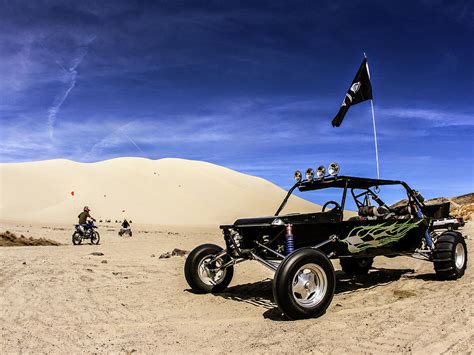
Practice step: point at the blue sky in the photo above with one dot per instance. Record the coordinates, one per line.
(252, 86)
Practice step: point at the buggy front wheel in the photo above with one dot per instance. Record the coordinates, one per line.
(304, 284)
(203, 273)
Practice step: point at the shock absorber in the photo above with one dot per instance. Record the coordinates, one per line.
(289, 240)
(428, 239)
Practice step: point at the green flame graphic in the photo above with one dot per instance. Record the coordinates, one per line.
(365, 237)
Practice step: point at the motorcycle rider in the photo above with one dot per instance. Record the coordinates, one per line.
(83, 216)
(125, 228)
(125, 224)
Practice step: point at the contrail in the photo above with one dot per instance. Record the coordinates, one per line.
(58, 101)
(71, 74)
(60, 98)
(133, 142)
(112, 140)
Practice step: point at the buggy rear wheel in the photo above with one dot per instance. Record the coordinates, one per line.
(356, 266)
(304, 284)
(203, 274)
(76, 238)
(450, 256)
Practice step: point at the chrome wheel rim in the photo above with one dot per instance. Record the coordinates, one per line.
(459, 256)
(211, 275)
(309, 285)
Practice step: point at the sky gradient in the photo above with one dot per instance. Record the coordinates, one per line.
(252, 86)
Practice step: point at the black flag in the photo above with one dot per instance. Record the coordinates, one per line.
(360, 90)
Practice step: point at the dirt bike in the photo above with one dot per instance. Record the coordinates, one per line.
(85, 231)
(124, 231)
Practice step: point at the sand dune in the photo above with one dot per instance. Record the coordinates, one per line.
(166, 191)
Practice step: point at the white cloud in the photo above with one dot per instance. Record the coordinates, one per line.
(438, 118)
(24, 140)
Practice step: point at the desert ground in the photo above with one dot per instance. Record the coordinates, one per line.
(69, 299)
(63, 299)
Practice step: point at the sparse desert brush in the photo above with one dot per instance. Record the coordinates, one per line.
(9, 239)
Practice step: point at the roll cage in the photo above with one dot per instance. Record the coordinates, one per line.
(369, 187)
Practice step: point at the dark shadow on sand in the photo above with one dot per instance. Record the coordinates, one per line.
(260, 294)
(425, 277)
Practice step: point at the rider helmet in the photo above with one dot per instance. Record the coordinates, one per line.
(86, 209)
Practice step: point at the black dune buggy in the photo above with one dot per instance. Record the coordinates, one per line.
(298, 247)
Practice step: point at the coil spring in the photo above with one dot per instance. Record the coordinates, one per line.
(289, 244)
(289, 240)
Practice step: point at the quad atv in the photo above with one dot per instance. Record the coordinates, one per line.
(125, 231)
(298, 247)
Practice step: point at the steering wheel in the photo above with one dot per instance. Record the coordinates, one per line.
(336, 205)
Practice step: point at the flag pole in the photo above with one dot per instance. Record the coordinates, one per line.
(375, 130)
(375, 139)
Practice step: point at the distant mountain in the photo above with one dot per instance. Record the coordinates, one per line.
(461, 206)
(464, 199)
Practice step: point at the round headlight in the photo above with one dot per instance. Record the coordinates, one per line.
(321, 172)
(298, 176)
(309, 174)
(333, 169)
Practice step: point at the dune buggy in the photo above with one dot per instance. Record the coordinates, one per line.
(298, 247)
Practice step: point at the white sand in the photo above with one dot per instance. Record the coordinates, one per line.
(64, 300)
